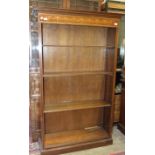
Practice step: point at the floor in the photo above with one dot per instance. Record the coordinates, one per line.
(117, 146)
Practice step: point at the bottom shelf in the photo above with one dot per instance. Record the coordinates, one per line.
(74, 137)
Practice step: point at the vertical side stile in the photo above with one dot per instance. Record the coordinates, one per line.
(41, 80)
(114, 79)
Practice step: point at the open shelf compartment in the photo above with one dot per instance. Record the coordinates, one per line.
(74, 137)
(90, 87)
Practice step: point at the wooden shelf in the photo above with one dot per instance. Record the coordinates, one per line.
(79, 46)
(75, 106)
(50, 74)
(74, 137)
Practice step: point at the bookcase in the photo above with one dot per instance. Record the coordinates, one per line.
(78, 54)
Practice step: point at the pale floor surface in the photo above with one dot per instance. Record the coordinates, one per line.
(117, 146)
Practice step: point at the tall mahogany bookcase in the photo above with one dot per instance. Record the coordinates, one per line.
(77, 57)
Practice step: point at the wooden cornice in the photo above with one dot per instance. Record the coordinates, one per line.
(78, 19)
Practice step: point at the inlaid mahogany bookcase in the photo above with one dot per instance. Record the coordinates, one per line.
(78, 54)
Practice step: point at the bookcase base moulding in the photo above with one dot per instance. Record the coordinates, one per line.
(76, 147)
(78, 54)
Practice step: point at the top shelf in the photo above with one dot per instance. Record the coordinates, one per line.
(78, 46)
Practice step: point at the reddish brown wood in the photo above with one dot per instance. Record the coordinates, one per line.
(65, 4)
(64, 35)
(114, 81)
(78, 20)
(59, 89)
(117, 108)
(74, 137)
(78, 66)
(68, 106)
(73, 120)
(76, 147)
(41, 82)
(70, 62)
